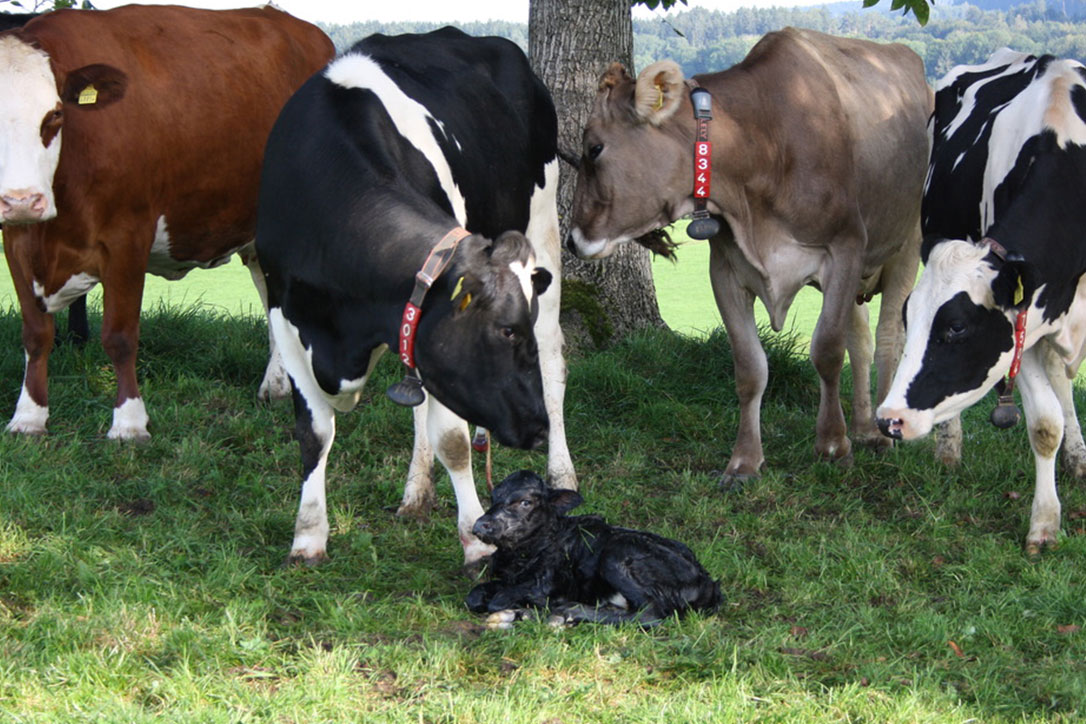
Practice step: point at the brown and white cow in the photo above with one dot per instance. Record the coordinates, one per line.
(131, 142)
(819, 151)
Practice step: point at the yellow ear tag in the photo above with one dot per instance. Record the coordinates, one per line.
(465, 301)
(1019, 293)
(457, 288)
(88, 96)
(660, 100)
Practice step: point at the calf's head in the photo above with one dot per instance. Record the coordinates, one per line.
(636, 171)
(959, 338)
(32, 115)
(476, 348)
(523, 510)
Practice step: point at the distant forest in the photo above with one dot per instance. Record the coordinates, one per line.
(706, 40)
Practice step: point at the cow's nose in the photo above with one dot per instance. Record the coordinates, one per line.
(890, 427)
(22, 205)
(483, 528)
(570, 246)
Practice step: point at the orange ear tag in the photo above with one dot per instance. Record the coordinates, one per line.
(465, 301)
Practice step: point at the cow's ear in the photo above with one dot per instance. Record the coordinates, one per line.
(94, 86)
(541, 280)
(659, 91)
(613, 76)
(1015, 283)
(563, 500)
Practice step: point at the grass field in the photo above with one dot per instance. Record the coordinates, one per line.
(143, 583)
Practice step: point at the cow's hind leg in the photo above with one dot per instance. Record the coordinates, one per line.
(276, 384)
(1073, 451)
(449, 437)
(1044, 418)
(122, 292)
(315, 429)
(419, 498)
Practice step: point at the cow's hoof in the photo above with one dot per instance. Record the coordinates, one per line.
(1074, 464)
(875, 443)
(304, 559)
(1035, 547)
(136, 436)
(417, 509)
(501, 620)
(734, 482)
(31, 430)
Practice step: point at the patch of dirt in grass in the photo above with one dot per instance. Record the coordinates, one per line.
(137, 507)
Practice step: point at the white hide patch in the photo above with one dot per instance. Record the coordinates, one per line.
(29, 417)
(161, 262)
(30, 92)
(595, 249)
(411, 118)
(129, 421)
(76, 286)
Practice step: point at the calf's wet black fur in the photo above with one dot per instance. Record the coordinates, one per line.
(579, 567)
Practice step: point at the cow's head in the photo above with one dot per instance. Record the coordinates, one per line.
(959, 337)
(476, 347)
(636, 170)
(524, 509)
(32, 114)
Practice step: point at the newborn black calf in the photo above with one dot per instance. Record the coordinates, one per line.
(580, 567)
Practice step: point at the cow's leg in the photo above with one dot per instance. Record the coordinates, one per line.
(1074, 449)
(1044, 418)
(543, 233)
(863, 428)
(948, 441)
(449, 436)
(32, 409)
(736, 307)
(315, 429)
(419, 497)
(122, 292)
(276, 384)
(828, 350)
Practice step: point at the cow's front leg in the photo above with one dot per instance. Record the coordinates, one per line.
(32, 409)
(736, 307)
(315, 429)
(276, 383)
(449, 437)
(1044, 418)
(122, 292)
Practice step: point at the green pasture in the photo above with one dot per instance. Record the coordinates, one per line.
(144, 582)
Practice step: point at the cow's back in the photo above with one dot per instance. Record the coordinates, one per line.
(485, 96)
(882, 102)
(186, 140)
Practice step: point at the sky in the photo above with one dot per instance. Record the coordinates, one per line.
(349, 11)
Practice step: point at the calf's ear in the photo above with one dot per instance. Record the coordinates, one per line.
(1014, 285)
(659, 91)
(563, 500)
(93, 87)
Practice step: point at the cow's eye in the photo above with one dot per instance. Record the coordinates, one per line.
(595, 151)
(955, 332)
(509, 333)
(526, 503)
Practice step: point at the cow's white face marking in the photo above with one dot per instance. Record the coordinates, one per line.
(524, 276)
(412, 119)
(27, 166)
(76, 286)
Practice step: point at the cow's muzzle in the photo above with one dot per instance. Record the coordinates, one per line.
(23, 207)
(890, 427)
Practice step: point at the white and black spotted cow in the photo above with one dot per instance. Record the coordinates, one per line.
(1005, 217)
(398, 141)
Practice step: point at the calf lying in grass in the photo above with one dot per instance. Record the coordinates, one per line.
(580, 567)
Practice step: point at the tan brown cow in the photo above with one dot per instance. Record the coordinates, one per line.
(163, 113)
(818, 156)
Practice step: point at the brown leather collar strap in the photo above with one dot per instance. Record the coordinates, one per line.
(435, 264)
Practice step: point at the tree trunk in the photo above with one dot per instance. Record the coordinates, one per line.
(571, 43)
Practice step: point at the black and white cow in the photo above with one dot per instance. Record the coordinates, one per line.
(1006, 223)
(371, 163)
